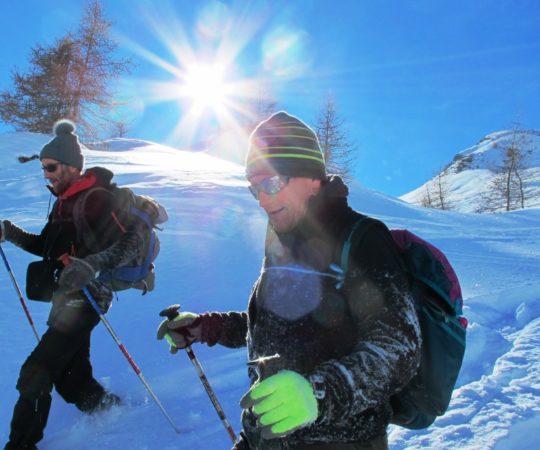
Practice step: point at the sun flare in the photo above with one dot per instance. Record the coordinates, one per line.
(205, 86)
(215, 96)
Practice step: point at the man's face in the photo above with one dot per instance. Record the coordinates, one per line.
(59, 175)
(286, 208)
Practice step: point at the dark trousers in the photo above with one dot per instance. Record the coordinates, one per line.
(61, 360)
(378, 443)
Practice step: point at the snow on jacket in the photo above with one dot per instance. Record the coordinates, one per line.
(358, 344)
(59, 236)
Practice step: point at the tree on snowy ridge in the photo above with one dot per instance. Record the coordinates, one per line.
(95, 69)
(507, 191)
(70, 79)
(43, 95)
(258, 108)
(436, 195)
(338, 149)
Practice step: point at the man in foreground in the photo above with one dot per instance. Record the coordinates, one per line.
(327, 349)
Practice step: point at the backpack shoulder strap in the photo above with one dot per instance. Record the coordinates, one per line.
(347, 243)
(354, 233)
(83, 231)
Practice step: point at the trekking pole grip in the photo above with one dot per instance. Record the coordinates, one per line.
(171, 313)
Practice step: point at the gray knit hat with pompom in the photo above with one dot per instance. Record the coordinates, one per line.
(65, 146)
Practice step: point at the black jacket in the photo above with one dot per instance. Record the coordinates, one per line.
(61, 236)
(358, 343)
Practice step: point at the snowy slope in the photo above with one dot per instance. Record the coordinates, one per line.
(468, 176)
(211, 253)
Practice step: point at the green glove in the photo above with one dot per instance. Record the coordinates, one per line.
(181, 331)
(283, 403)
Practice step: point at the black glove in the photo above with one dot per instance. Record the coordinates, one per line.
(76, 275)
(181, 331)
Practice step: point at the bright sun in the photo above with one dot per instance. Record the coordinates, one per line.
(204, 85)
(214, 99)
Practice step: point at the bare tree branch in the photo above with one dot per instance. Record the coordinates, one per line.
(71, 80)
(338, 149)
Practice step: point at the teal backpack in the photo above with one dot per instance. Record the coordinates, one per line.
(438, 300)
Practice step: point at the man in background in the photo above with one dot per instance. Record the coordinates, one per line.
(61, 359)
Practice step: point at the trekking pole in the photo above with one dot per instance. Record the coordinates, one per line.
(171, 312)
(21, 298)
(128, 357)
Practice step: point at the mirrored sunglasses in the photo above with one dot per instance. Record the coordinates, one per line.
(51, 167)
(270, 186)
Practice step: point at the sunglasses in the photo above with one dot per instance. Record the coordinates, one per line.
(270, 186)
(51, 167)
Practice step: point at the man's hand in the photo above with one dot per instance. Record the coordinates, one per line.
(76, 274)
(283, 403)
(181, 331)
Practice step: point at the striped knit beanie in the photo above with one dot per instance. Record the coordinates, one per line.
(284, 145)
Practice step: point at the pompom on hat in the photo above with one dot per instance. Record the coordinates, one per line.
(284, 145)
(65, 146)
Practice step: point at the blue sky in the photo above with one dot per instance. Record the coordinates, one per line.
(417, 81)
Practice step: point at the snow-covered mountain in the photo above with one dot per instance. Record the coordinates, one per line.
(212, 247)
(466, 180)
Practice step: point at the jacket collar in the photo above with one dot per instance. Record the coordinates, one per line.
(98, 176)
(326, 209)
(85, 182)
(312, 240)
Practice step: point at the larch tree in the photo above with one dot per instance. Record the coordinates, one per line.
(41, 96)
(508, 188)
(338, 149)
(436, 194)
(70, 79)
(258, 108)
(95, 69)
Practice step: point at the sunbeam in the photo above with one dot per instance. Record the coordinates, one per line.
(205, 78)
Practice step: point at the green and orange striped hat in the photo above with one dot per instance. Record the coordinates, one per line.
(284, 145)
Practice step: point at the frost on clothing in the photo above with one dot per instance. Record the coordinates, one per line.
(59, 237)
(358, 344)
(61, 359)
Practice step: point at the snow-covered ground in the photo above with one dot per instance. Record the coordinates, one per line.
(469, 176)
(212, 247)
